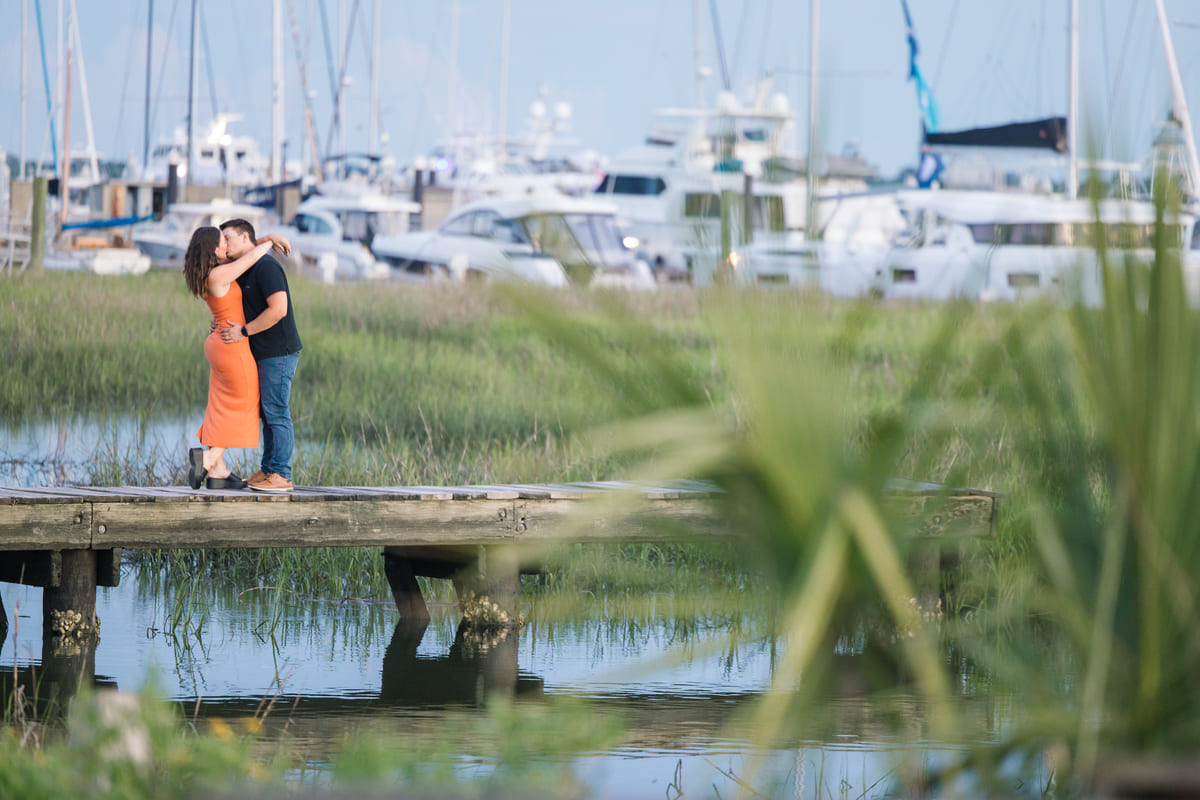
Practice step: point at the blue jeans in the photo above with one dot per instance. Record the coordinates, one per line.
(275, 393)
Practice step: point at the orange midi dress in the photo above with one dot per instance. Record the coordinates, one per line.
(231, 418)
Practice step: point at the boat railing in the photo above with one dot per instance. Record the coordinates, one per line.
(14, 247)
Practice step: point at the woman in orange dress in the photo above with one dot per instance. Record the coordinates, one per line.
(231, 417)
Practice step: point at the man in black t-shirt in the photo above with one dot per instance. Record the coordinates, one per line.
(275, 343)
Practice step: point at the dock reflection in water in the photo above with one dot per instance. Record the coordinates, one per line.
(477, 666)
(328, 669)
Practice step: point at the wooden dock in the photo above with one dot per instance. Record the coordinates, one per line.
(102, 518)
(68, 540)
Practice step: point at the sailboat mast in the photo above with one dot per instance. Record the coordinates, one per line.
(458, 170)
(1180, 102)
(277, 92)
(73, 32)
(146, 104)
(59, 75)
(1073, 101)
(24, 91)
(373, 123)
(309, 123)
(64, 179)
(697, 57)
(810, 223)
(502, 120)
(341, 89)
(191, 104)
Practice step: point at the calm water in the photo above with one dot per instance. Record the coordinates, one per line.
(63, 452)
(676, 683)
(675, 686)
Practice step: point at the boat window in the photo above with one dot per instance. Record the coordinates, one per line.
(1031, 233)
(550, 234)
(307, 223)
(984, 233)
(206, 154)
(181, 222)
(459, 226)
(632, 184)
(705, 205)
(599, 246)
(766, 212)
(1120, 234)
(1196, 235)
(389, 223)
(772, 211)
(508, 231)
(356, 227)
(483, 223)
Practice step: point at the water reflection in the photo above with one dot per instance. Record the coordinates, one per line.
(71, 451)
(479, 664)
(317, 671)
(46, 687)
(475, 667)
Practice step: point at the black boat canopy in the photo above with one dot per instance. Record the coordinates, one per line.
(1049, 134)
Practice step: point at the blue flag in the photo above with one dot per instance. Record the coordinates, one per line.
(929, 109)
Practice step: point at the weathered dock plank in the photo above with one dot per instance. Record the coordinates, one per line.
(104, 518)
(69, 540)
(237, 522)
(38, 525)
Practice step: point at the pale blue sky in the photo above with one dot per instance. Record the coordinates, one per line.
(615, 62)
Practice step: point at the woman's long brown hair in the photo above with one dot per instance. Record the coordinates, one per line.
(201, 257)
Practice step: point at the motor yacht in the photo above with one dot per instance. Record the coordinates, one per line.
(1006, 211)
(332, 235)
(546, 238)
(218, 157)
(1010, 246)
(669, 189)
(165, 241)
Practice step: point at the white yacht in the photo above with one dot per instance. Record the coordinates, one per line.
(98, 256)
(1009, 246)
(541, 158)
(668, 194)
(218, 157)
(1006, 214)
(165, 241)
(331, 235)
(546, 238)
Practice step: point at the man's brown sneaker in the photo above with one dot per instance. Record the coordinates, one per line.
(257, 477)
(272, 483)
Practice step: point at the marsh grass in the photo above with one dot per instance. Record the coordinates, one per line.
(421, 384)
(452, 385)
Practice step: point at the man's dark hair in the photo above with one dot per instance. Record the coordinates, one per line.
(241, 226)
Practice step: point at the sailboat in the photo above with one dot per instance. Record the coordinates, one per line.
(982, 231)
(84, 244)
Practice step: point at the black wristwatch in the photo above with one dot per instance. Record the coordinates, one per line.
(245, 332)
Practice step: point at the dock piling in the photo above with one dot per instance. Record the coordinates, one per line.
(69, 609)
(405, 589)
(37, 227)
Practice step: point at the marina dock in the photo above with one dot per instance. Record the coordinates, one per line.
(68, 540)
